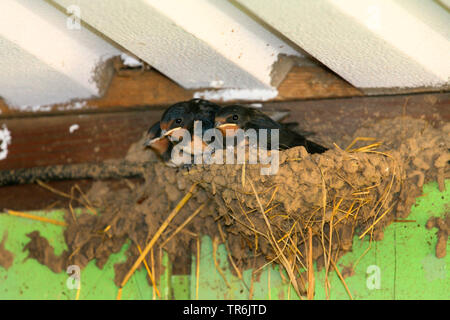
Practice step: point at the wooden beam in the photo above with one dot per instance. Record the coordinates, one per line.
(314, 82)
(335, 120)
(34, 197)
(43, 141)
(47, 140)
(149, 88)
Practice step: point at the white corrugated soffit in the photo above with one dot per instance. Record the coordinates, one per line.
(47, 57)
(370, 43)
(197, 43)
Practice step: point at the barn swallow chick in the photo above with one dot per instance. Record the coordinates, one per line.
(187, 115)
(160, 144)
(231, 118)
(182, 115)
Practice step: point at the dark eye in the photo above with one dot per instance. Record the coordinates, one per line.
(178, 121)
(235, 117)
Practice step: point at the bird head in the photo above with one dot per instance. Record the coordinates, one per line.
(155, 140)
(153, 133)
(177, 116)
(231, 118)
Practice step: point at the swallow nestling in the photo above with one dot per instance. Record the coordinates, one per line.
(160, 144)
(184, 114)
(230, 118)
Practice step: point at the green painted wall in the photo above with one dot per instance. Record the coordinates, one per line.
(403, 262)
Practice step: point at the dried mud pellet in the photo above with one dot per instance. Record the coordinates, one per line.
(351, 166)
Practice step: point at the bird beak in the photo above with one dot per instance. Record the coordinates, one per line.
(166, 133)
(224, 127)
(173, 134)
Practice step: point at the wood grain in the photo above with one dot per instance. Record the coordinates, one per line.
(34, 197)
(43, 141)
(149, 88)
(313, 82)
(335, 120)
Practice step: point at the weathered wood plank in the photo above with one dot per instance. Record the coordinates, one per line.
(337, 119)
(34, 197)
(134, 88)
(43, 141)
(314, 82)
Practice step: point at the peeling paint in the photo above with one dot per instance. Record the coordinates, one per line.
(29, 108)
(73, 106)
(46, 108)
(216, 84)
(73, 128)
(130, 61)
(237, 94)
(5, 138)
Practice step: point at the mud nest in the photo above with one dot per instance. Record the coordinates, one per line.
(308, 212)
